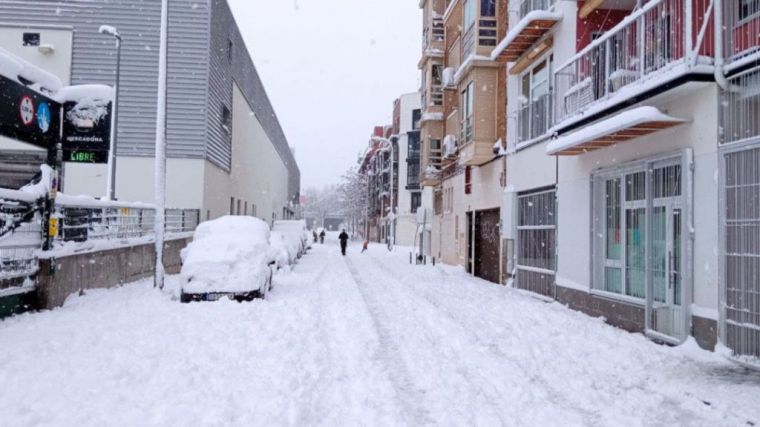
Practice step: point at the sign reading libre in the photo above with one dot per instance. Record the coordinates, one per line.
(86, 131)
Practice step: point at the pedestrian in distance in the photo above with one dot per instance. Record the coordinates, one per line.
(322, 237)
(366, 246)
(315, 236)
(343, 242)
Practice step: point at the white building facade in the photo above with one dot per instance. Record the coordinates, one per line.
(620, 202)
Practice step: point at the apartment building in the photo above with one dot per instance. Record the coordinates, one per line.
(634, 121)
(406, 129)
(226, 150)
(463, 131)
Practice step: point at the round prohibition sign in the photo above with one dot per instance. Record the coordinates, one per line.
(26, 108)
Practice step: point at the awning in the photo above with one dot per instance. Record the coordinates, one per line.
(524, 35)
(622, 127)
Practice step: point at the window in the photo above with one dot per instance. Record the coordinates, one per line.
(536, 241)
(468, 180)
(245, 209)
(416, 119)
(487, 7)
(232, 206)
(416, 202)
(748, 9)
(637, 223)
(534, 115)
(470, 10)
(467, 107)
(238, 207)
(226, 120)
(31, 39)
(230, 50)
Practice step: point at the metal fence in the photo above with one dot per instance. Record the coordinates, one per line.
(22, 233)
(20, 239)
(740, 107)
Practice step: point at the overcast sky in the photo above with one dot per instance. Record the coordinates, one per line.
(332, 69)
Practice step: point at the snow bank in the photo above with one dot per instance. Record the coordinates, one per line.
(285, 248)
(43, 186)
(229, 254)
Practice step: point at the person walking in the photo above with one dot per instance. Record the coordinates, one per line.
(322, 237)
(343, 242)
(366, 246)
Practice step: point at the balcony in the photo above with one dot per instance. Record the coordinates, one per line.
(534, 119)
(663, 42)
(741, 20)
(740, 108)
(536, 19)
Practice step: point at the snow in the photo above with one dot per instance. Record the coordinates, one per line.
(107, 29)
(13, 67)
(286, 252)
(466, 64)
(449, 145)
(364, 340)
(624, 120)
(82, 93)
(43, 187)
(447, 77)
(498, 149)
(229, 254)
(431, 117)
(525, 22)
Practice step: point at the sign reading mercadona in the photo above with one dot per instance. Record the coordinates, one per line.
(86, 131)
(28, 116)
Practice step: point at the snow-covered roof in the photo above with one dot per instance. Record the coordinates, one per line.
(13, 67)
(625, 120)
(536, 15)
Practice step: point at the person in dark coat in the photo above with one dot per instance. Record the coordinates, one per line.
(343, 242)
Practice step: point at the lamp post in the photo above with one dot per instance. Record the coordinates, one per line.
(389, 143)
(160, 165)
(111, 190)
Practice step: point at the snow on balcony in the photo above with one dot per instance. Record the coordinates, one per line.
(623, 127)
(525, 34)
(655, 45)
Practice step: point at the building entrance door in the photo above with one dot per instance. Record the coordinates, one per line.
(487, 245)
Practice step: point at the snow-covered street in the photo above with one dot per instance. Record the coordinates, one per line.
(365, 340)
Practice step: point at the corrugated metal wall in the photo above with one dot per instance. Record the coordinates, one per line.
(94, 61)
(243, 72)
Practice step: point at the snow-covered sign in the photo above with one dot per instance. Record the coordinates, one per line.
(86, 122)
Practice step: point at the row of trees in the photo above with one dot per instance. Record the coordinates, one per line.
(348, 200)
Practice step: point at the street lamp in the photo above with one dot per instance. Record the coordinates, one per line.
(111, 190)
(389, 143)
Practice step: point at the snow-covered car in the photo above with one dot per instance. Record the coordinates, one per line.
(228, 257)
(297, 230)
(286, 247)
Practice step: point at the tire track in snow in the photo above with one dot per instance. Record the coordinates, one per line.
(556, 397)
(407, 394)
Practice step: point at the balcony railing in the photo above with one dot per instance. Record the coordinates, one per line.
(466, 127)
(661, 35)
(741, 21)
(535, 118)
(435, 33)
(528, 6)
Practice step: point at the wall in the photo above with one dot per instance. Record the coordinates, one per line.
(574, 190)
(61, 38)
(258, 176)
(65, 276)
(135, 181)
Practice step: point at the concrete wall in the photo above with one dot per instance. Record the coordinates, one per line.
(59, 278)
(58, 37)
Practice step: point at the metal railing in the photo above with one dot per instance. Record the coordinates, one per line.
(741, 21)
(20, 239)
(535, 118)
(740, 107)
(660, 35)
(527, 6)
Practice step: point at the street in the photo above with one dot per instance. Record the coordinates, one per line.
(362, 340)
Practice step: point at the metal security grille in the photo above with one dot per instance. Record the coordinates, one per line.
(741, 245)
(740, 108)
(536, 242)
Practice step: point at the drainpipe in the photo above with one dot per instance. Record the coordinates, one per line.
(720, 78)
